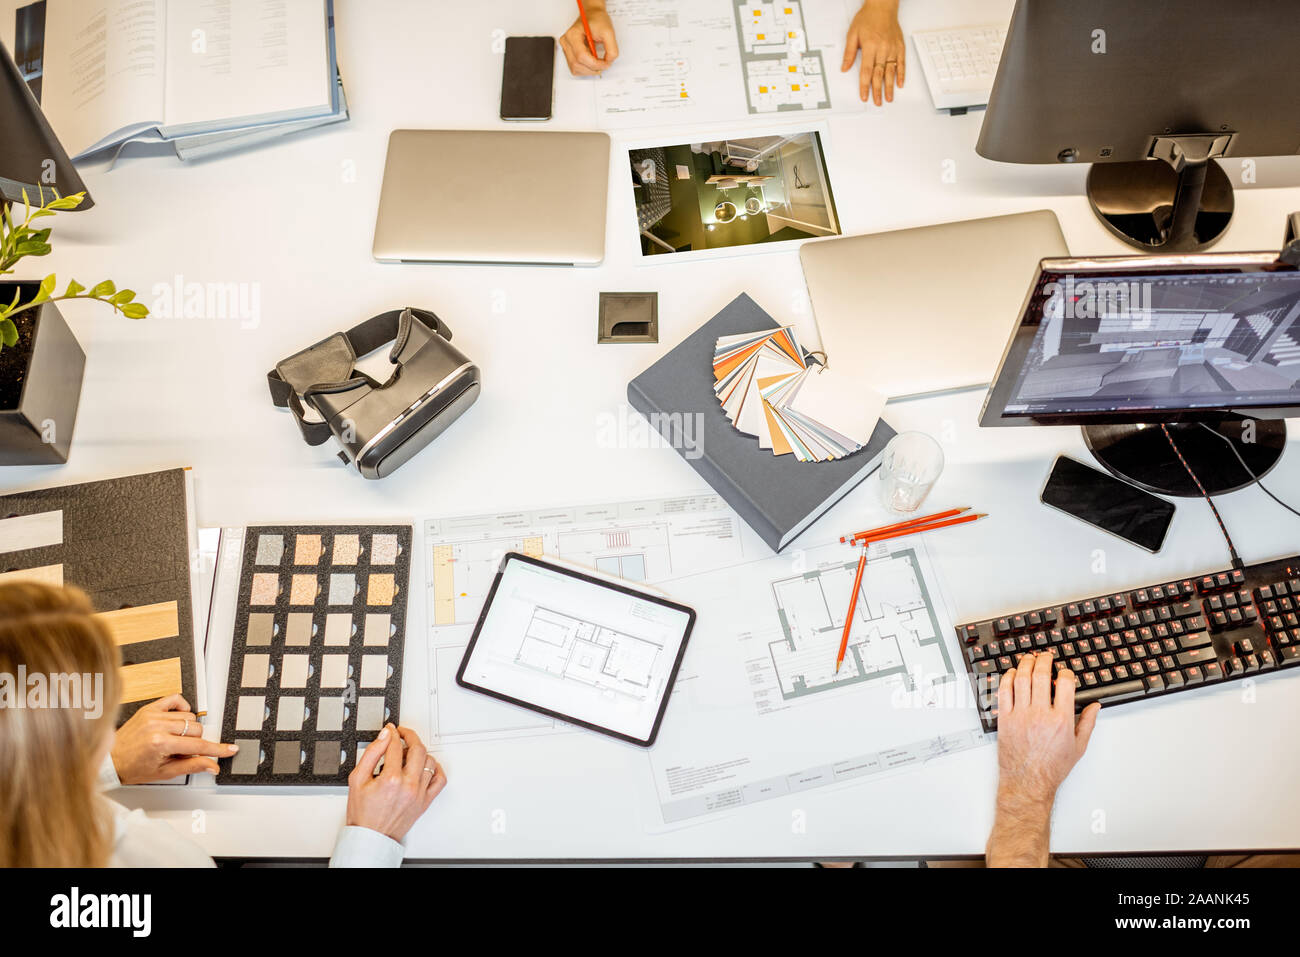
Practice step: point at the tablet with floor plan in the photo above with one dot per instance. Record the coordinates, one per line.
(582, 649)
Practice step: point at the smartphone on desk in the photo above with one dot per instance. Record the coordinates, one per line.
(1105, 502)
(528, 78)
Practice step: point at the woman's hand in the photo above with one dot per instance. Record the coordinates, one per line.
(875, 31)
(162, 740)
(392, 801)
(574, 41)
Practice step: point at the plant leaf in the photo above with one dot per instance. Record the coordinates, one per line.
(135, 310)
(8, 332)
(66, 202)
(74, 288)
(103, 290)
(32, 249)
(123, 297)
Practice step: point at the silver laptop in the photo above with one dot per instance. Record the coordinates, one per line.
(927, 310)
(493, 197)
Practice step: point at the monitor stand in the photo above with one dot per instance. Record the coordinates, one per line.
(1142, 455)
(1149, 205)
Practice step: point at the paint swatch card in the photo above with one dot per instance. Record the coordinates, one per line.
(126, 542)
(769, 390)
(316, 655)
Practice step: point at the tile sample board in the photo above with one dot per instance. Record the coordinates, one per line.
(316, 652)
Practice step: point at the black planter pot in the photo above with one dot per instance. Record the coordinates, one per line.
(38, 429)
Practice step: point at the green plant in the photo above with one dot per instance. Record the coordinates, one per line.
(20, 240)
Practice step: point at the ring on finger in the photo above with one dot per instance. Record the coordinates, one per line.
(185, 730)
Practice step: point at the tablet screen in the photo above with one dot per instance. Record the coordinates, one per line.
(578, 648)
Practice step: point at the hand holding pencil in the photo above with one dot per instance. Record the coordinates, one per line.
(582, 42)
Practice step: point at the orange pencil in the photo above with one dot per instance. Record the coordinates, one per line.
(917, 529)
(899, 530)
(853, 604)
(924, 519)
(586, 28)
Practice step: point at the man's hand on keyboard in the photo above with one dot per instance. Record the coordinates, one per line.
(1039, 742)
(876, 32)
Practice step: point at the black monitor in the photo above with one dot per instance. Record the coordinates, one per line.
(1207, 346)
(31, 157)
(1152, 93)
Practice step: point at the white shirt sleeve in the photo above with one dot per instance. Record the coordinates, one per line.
(108, 779)
(362, 847)
(142, 842)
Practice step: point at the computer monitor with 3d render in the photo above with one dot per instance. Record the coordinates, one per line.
(1207, 346)
(1164, 97)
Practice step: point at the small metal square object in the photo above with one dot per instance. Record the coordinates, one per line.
(628, 317)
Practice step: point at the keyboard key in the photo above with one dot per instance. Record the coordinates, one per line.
(1289, 655)
(1212, 671)
(1193, 640)
(1154, 683)
(1193, 675)
(1195, 656)
(1122, 691)
(1174, 680)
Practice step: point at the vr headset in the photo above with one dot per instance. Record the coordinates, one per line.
(380, 425)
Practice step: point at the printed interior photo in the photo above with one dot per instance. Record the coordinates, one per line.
(732, 192)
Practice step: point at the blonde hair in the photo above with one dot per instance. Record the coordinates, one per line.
(51, 814)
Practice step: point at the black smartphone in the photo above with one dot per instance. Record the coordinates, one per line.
(528, 78)
(1105, 502)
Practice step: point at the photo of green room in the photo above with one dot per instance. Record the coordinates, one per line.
(734, 192)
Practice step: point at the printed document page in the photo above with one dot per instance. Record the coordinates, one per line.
(104, 70)
(241, 60)
(641, 542)
(710, 61)
(759, 711)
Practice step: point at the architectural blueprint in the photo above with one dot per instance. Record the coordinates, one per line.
(570, 649)
(758, 711)
(639, 541)
(709, 61)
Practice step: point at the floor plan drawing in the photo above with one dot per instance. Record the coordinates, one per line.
(640, 541)
(758, 712)
(895, 630)
(723, 61)
(575, 650)
(781, 72)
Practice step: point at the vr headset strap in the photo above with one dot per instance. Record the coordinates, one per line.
(364, 338)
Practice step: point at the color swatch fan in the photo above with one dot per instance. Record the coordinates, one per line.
(768, 389)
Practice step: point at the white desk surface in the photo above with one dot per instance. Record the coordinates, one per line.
(1196, 771)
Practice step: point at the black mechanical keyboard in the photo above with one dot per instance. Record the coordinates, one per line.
(1153, 641)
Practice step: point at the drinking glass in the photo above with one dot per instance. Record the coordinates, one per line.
(909, 467)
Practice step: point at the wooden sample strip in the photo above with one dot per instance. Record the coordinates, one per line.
(45, 575)
(22, 532)
(146, 623)
(150, 680)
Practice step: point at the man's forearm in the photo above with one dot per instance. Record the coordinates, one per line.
(1021, 832)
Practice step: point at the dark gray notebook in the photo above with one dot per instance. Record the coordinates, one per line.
(777, 495)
